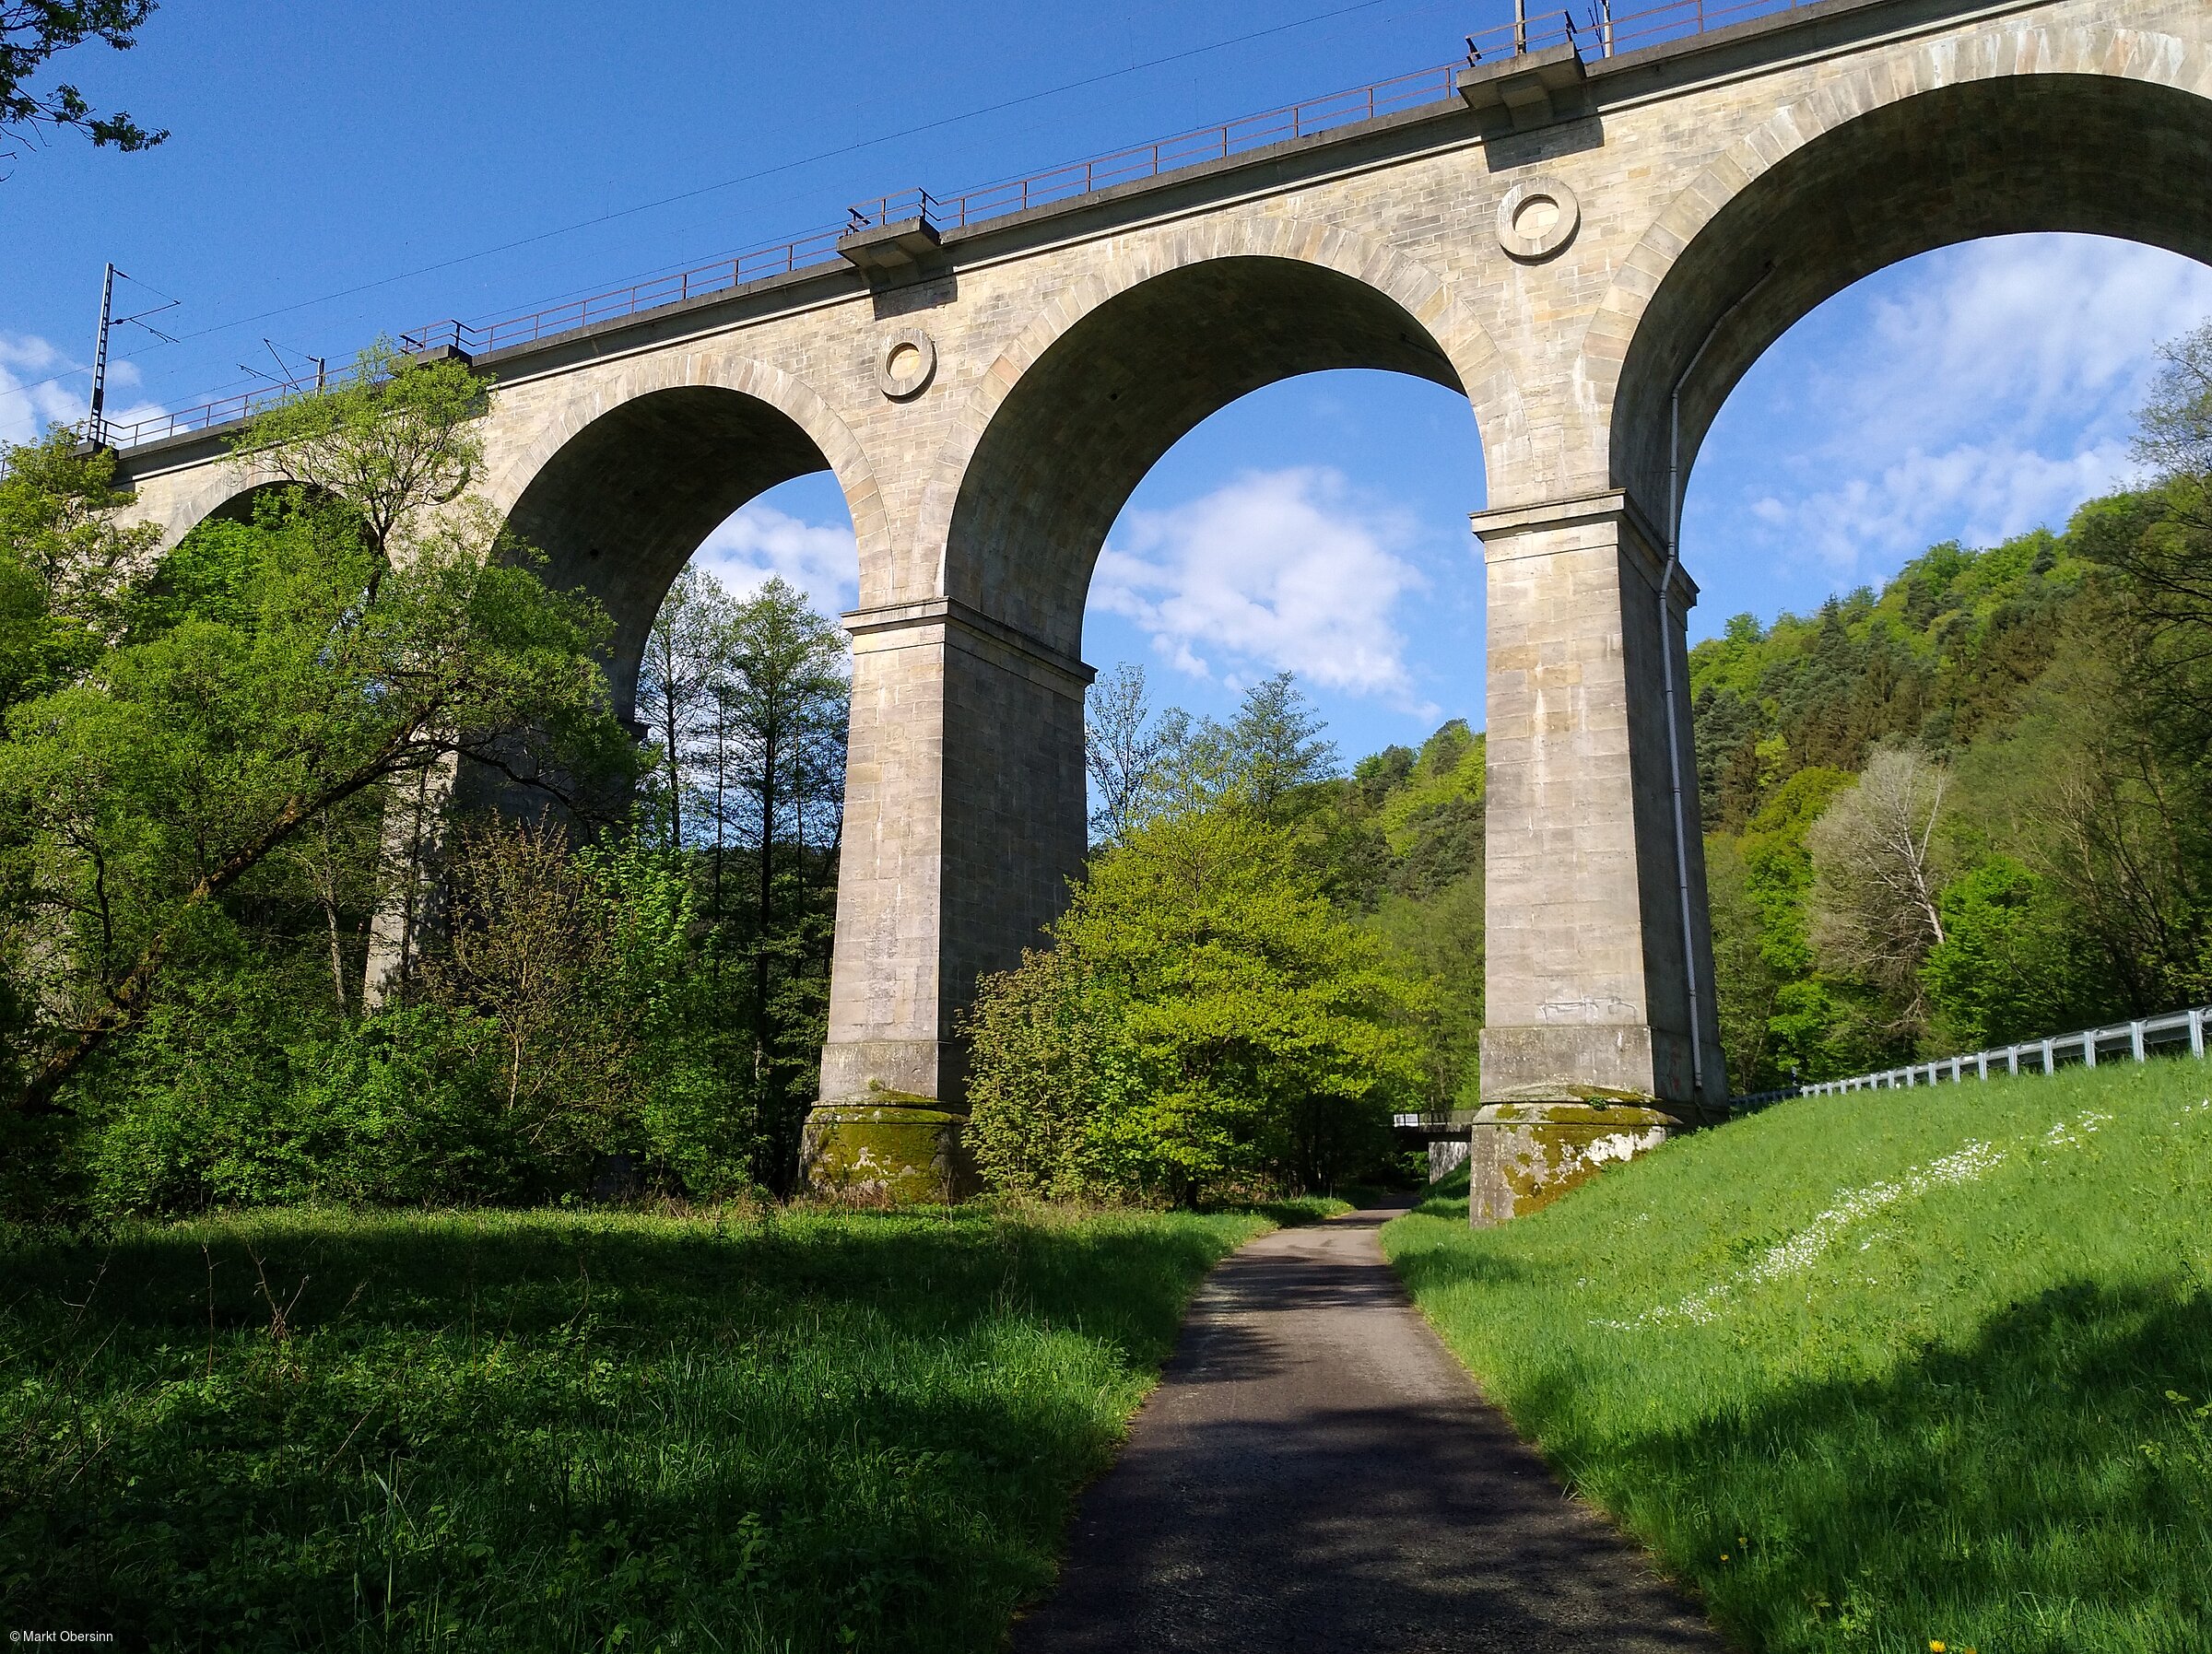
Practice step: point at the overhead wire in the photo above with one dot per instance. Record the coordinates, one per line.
(753, 177)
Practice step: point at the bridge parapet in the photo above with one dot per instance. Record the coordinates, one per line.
(1490, 76)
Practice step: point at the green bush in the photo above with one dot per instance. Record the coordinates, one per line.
(402, 1107)
(2012, 963)
(1205, 1018)
(1054, 1072)
(246, 1087)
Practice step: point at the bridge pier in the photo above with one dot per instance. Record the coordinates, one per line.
(1588, 1054)
(964, 821)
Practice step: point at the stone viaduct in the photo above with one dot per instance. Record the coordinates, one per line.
(1592, 249)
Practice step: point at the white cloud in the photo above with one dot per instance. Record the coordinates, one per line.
(1978, 495)
(29, 405)
(1277, 570)
(2030, 328)
(1989, 389)
(760, 540)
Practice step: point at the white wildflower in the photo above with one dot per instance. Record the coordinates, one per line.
(1798, 1254)
(1802, 1250)
(2066, 1136)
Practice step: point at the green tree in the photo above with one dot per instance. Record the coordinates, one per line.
(66, 563)
(1435, 941)
(747, 701)
(31, 31)
(2012, 962)
(2088, 792)
(781, 714)
(1268, 1038)
(591, 965)
(190, 755)
(1745, 980)
(1263, 758)
(396, 442)
(1780, 1020)
(1275, 744)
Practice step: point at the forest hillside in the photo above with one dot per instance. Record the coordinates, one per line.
(1962, 809)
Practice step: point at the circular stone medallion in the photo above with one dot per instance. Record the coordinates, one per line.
(1537, 218)
(908, 359)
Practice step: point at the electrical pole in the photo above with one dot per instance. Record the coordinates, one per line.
(95, 426)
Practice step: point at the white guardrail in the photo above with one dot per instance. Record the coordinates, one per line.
(2128, 1041)
(2131, 1041)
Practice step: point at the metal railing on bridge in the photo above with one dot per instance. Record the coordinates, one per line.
(1436, 1123)
(1596, 33)
(656, 292)
(2173, 1034)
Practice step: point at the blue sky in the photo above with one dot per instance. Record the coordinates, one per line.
(379, 165)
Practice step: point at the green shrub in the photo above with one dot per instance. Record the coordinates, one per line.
(1205, 1018)
(2012, 964)
(402, 1107)
(1052, 1074)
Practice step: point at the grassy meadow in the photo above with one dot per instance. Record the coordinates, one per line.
(1882, 1372)
(797, 1430)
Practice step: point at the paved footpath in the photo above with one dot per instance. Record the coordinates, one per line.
(1316, 1472)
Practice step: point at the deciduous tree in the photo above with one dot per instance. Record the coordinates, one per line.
(1123, 749)
(1876, 874)
(353, 646)
(1264, 1036)
(32, 31)
(687, 661)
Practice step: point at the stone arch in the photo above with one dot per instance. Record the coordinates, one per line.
(618, 488)
(2020, 128)
(1116, 366)
(240, 505)
(180, 501)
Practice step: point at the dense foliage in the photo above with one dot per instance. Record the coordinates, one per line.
(1972, 807)
(745, 703)
(1203, 1018)
(259, 942)
(1266, 960)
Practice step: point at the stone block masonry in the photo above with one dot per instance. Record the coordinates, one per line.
(987, 404)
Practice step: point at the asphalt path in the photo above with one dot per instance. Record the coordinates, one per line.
(1316, 1471)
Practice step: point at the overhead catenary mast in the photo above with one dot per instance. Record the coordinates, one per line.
(95, 426)
(96, 422)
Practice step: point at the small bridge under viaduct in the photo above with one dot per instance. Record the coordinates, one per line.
(1592, 247)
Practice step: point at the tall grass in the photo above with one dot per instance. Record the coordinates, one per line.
(548, 1432)
(1884, 1372)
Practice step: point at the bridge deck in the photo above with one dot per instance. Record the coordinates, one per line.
(1621, 54)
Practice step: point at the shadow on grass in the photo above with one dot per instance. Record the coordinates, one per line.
(533, 1431)
(2041, 1483)
(2034, 1488)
